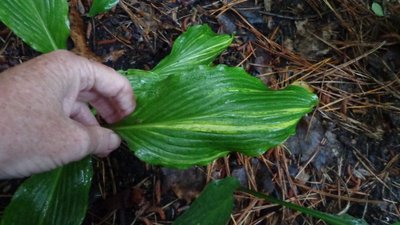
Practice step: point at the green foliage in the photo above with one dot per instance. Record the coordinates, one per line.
(43, 24)
(100, 6)
(199, 45)
(377, 9)
(191, 113)
(56, 197)
(214, 206)
(191, 118)
(188, 111)
(328, 218)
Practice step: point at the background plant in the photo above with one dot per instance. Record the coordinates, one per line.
(176, 63)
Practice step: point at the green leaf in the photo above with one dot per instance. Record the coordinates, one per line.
(199, 45)
(214, 206)
(193, 117)
(396, 223)
(43, 24)
(190, 115)
(377, 9)
(56, 197)
(328, 218)
(100, 6)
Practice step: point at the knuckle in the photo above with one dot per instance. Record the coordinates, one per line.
(59, 55)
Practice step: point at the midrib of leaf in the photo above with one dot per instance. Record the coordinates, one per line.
(51, 193)
(178, 125)
(45, 28)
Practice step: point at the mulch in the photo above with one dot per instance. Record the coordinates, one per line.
(345, 155)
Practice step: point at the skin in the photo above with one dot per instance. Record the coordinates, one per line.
(45, 121)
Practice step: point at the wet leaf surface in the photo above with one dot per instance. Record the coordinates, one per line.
(359, 102)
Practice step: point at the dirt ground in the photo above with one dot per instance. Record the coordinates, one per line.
(345, 157)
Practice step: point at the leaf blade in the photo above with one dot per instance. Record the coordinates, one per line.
(56, 197)
(328, 218)
(100, 6)
(44, 25)
(199, 45)
(179, 123)
(217, 194)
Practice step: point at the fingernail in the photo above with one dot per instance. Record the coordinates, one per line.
(114, 141)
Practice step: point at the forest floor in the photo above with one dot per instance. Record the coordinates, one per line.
(345, 156)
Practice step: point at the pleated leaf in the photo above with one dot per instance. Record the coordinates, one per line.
(56, 197)
(199, 45)
(193, 117)
(326, 217)
(213, 206)
(100, 6)
(43, 24)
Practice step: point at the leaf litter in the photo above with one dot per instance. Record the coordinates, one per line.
(344, 157)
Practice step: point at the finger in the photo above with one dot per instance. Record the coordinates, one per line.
(92, 140)
(108, 110)
(110, 86)
(80, 75)
(81, 113)
(102, 141)
(105, 106)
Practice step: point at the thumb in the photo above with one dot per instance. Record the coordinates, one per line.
(102, 141)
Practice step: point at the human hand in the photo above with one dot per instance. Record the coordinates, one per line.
(44, 119)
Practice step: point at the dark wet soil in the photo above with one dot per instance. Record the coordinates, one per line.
(331, 158)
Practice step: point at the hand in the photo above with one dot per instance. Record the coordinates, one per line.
(44, 119)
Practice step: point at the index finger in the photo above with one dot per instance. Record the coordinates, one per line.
(108, 91)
